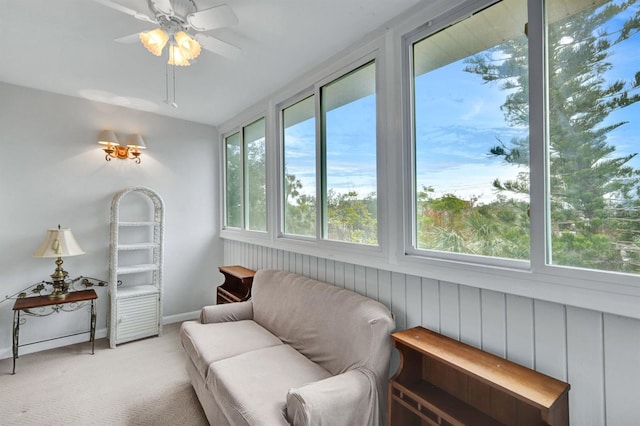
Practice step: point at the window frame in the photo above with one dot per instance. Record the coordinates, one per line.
(609, 292)
(372, 56)
(551, 282)
(449, 19)
(281, 162)
(235, 232)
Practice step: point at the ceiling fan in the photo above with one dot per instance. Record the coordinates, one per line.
(180, 25)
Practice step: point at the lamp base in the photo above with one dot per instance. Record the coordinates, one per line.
(59, 290)
(60, 287)
(58, 295)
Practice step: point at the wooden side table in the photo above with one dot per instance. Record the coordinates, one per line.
(236, 286)
(71, 302)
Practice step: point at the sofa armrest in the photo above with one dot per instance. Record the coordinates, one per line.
(349, 398)
(227, 312)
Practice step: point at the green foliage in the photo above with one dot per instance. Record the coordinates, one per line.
(449, 223)
(351, 218)
(299, 209)
(233, 180)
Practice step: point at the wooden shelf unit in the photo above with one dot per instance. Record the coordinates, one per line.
(236, 286)
(441, 381)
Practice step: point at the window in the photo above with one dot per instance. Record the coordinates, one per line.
(256, 177)
(471, 135)
(349, 149)
(593, 123)
(299, 142)
(348, 144)
(245, 178)
(233, 180)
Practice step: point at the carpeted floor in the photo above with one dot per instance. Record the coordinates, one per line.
(138, 383)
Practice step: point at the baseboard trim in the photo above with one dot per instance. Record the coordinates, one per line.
(100, 334)
(187, 316)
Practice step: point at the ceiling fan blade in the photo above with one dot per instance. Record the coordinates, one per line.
(120, 8)
(163, 6)
(128, 39)
(215, 17)
(218, 46)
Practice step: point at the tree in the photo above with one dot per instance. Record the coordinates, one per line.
(591, 189)
(351, 218)
(299, 208)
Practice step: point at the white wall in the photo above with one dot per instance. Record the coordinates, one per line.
(596, 353)
(53, 172)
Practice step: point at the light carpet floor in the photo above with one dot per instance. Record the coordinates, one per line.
(138, 383)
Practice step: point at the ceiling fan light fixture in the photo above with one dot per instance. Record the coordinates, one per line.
(154, 40)
(189, 46)
(178, 56)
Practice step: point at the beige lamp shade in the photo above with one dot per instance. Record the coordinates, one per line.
(107, 137)
(136, 141)
(154, 40)
(190, 48)
(178, 56)
(58, 243)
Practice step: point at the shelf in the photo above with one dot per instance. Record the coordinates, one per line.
(141, 223)
(442, 381)
(137, 290)
(433, 404)
(517, 380)
(139, 246)
(228, 296)
(134, 269)
(136, 310)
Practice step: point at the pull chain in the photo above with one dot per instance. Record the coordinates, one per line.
(166, 79)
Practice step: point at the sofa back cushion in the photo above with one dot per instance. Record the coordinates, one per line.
(334, 327)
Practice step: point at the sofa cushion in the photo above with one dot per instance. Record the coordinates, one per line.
(229, 339)
(337, 328)
(251, 389)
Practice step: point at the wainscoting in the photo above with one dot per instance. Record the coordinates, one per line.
(597, 353)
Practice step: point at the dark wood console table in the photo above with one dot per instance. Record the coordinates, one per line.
(445, 382)
(29, 305)
(236, 286)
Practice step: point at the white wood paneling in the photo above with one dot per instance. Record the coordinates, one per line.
(494, 322)
(520, 330)
(431, 304)
(413, 305)
(399, 299)
(449, 310)
(622, 369)
(384, 288)
(550, 332)
(598, 354)
(470, 316)
(585, 365)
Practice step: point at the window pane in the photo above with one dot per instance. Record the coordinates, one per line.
(233, 177)
(349, 124)
(256, 177)
(299, 139)
(593, 127)
(471, 122)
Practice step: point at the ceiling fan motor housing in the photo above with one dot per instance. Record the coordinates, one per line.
(172, 14)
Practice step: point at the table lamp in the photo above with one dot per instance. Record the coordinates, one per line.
(59, 243)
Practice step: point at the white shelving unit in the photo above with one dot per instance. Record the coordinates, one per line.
(136, 304)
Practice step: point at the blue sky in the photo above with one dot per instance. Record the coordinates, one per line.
(460, 118)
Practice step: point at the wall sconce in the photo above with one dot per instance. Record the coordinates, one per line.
(113, 149)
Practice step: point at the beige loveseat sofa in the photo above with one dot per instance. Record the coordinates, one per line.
(299, 352)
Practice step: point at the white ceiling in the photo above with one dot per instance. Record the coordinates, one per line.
(68, 47)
